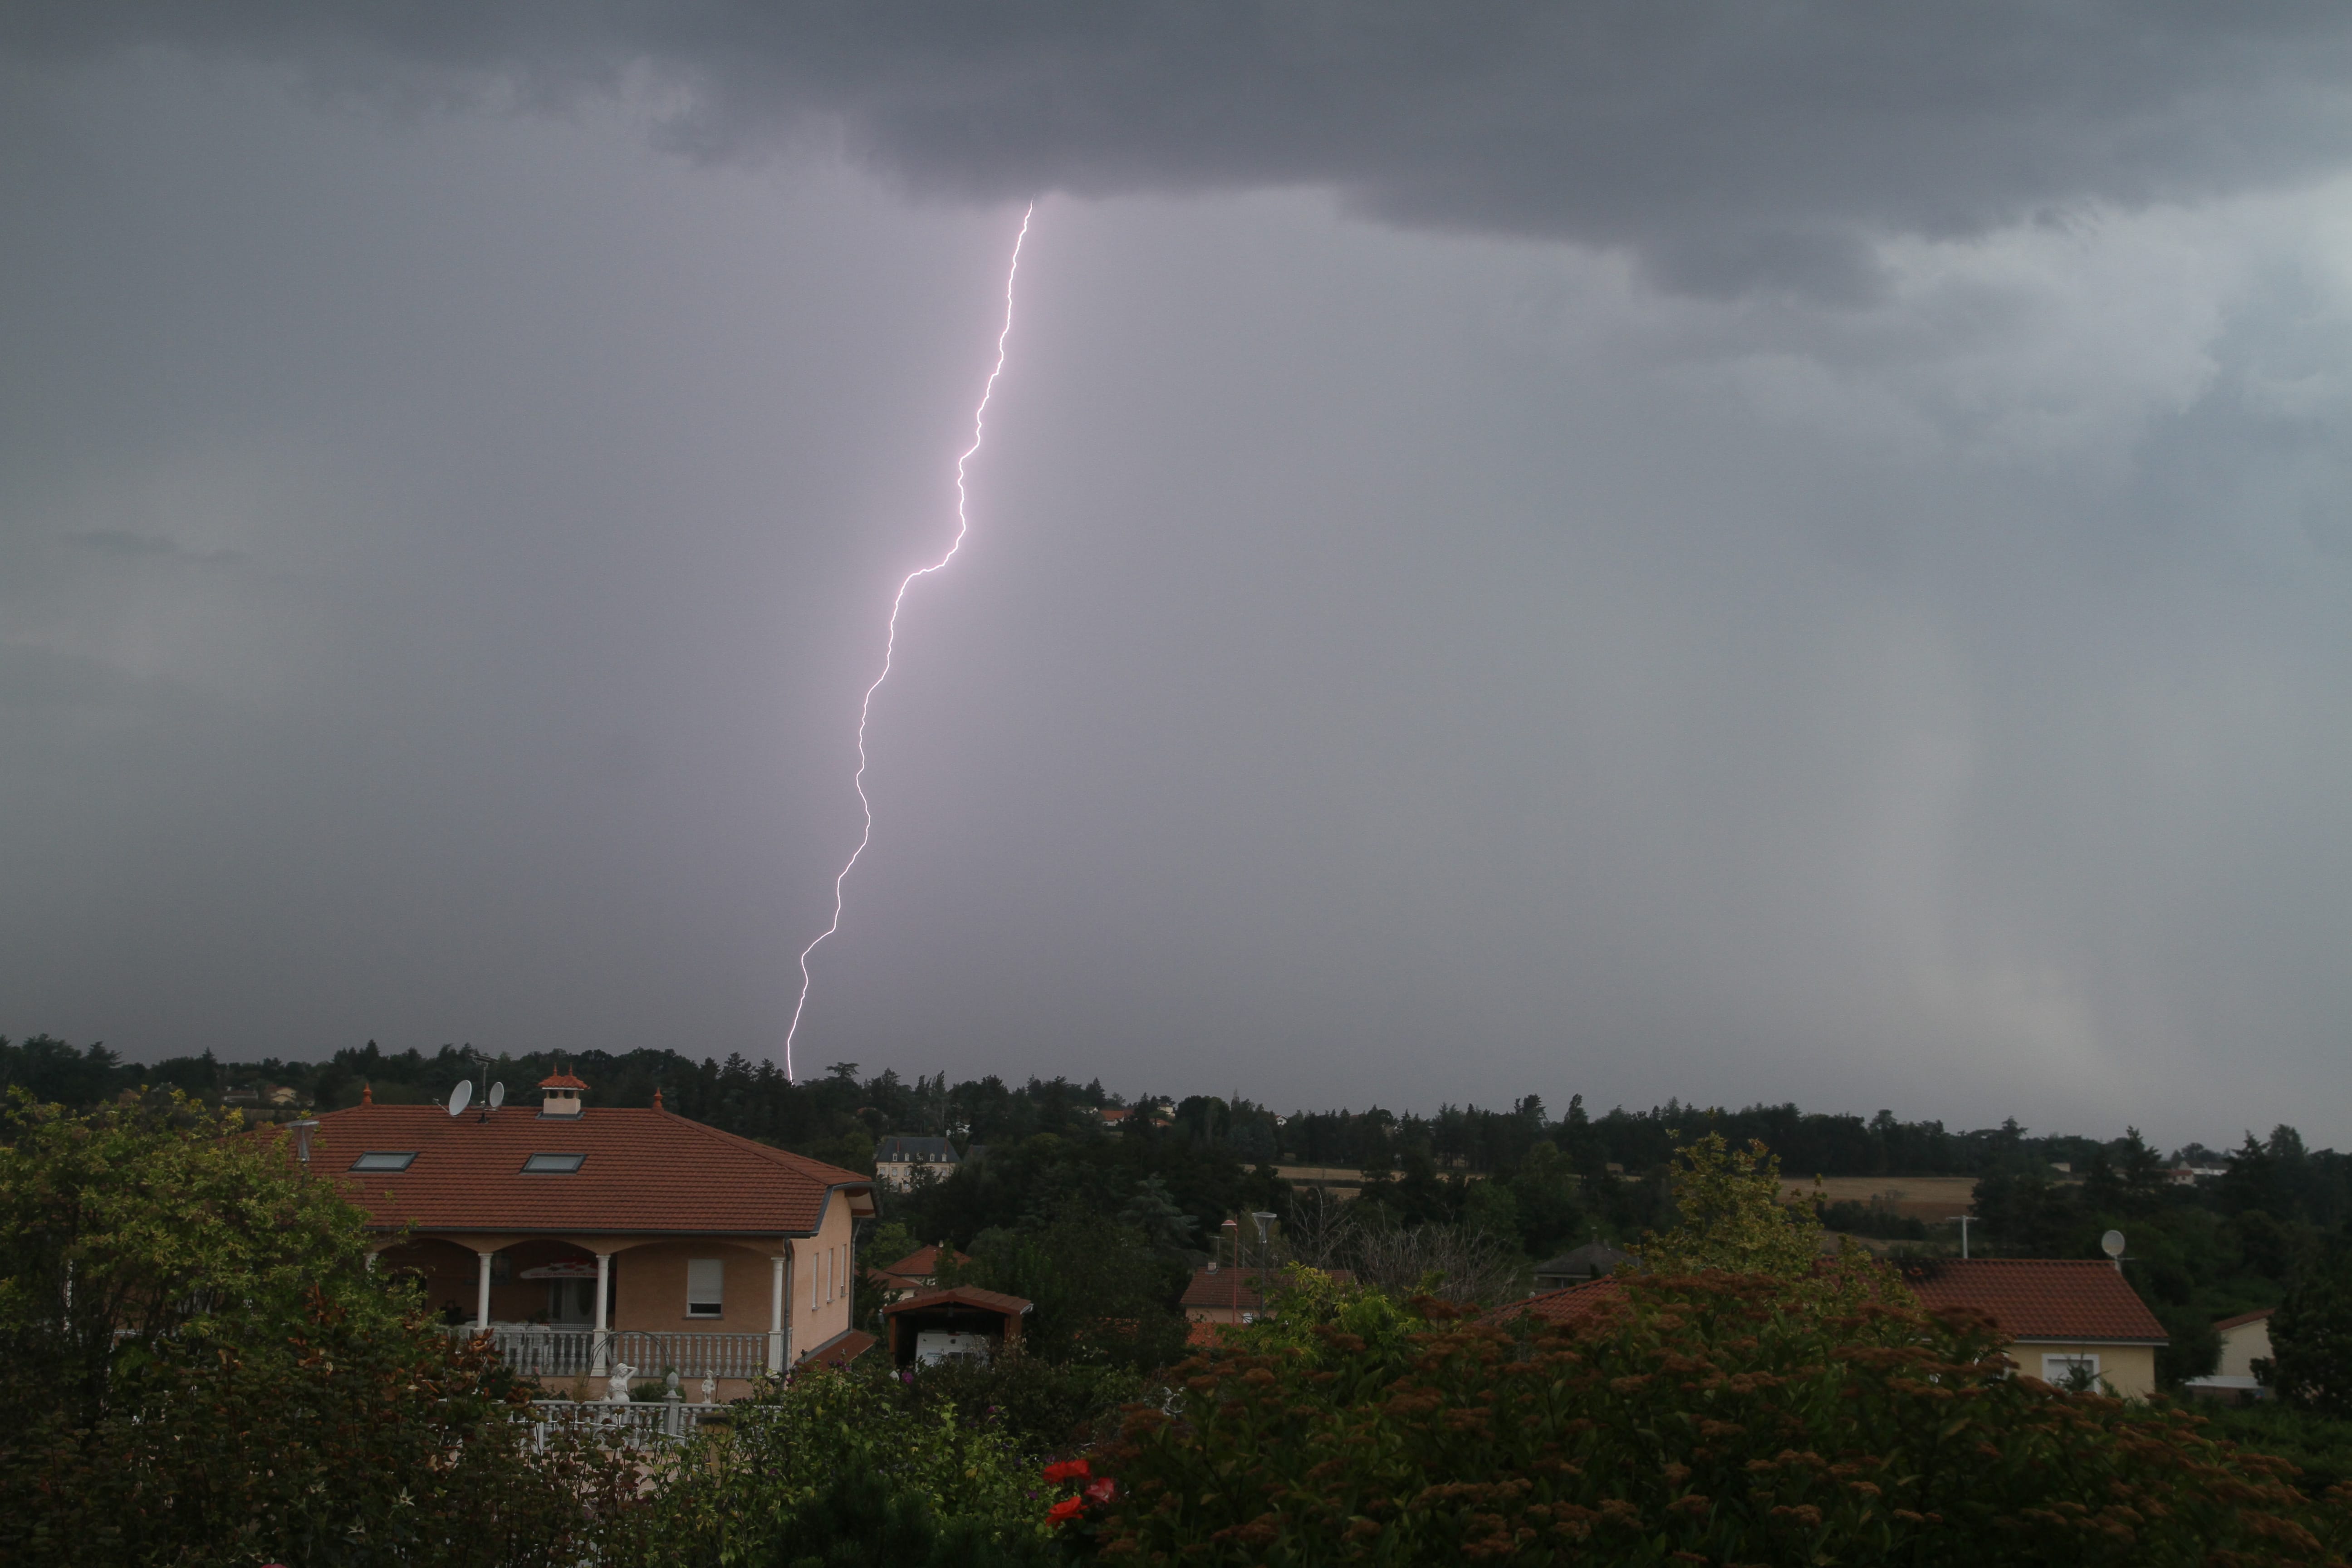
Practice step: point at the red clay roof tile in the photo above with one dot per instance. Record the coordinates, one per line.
(642, 1171)
(1237, 1288)
(920, 1264)
(1563, 1306)
(2039, 1298)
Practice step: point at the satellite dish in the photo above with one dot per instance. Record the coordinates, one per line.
(497, 1095)
(461, 1096)
(2112, 1243)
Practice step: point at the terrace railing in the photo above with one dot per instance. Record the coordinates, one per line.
(540, 1351)
(640, 1423)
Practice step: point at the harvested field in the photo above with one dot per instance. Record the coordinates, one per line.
(1914, 1197)
(1342, 1180)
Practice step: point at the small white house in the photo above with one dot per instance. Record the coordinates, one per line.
(2245, 1340)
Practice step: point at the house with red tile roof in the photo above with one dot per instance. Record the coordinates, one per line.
(918, 1270)
(583, 1240)
(1226, 1294)
(2062, 1317)
(1562, 1306)
(2057, 1315)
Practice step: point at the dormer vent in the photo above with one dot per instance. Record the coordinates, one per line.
(561, 1094)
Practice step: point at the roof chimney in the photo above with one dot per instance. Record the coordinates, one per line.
(561, 1093)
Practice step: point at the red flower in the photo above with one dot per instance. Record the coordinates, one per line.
(1064, 1511)
(1067, 1471)
(1103, 1491)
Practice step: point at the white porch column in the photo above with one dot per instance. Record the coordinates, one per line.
(482, 1294)
(598, 1339)
(776, 1288)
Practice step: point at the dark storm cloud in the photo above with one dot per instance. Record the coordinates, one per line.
(1729, 144)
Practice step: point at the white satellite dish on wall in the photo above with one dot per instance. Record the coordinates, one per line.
(497, 1095)
(461, 1096)
(2112, 1243)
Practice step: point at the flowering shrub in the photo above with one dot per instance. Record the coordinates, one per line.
(1715, 1418)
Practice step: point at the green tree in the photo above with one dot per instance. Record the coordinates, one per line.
(196, 1368)
(133, 1225)
(1102, 1291)
(2311, 1334)
(1731, 1215)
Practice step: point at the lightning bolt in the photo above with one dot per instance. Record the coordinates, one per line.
(890, 640)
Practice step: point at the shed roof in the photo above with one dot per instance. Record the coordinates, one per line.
(2242, 1319)
(995, 1301)
(2039, 1298)
(640, 1171)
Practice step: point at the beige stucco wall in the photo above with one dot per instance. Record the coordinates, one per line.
(650, 1289)
(2243, 1346)
(2128, 1371)
(821, 1275)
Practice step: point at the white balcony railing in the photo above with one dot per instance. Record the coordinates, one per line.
(539, 1350)
(640, 1423)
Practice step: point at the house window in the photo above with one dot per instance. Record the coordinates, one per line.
(384, 1159)
(2065, 1370)
(704, 1278)
(551, 1164)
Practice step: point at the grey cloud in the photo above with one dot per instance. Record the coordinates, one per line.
(123, 544)
(1729, 146)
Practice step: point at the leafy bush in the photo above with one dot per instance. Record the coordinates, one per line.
(1715, 1418)
(1041, 1406)
(842, 1469)
(338, 1444)
(2318, 1446)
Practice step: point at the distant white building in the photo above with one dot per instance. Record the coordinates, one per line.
(897, 1159)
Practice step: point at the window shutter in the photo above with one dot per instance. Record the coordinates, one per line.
(704, 1278)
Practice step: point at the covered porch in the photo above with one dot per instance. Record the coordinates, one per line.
(574, 1311)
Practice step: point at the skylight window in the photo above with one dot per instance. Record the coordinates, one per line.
(551, 1164)
(384, 1159)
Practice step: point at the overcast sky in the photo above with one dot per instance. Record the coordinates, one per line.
(1727, 551)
